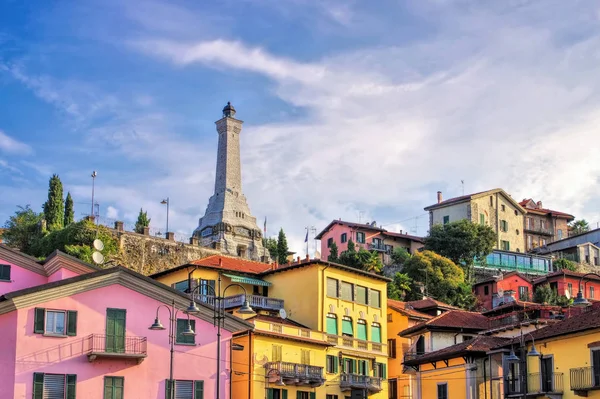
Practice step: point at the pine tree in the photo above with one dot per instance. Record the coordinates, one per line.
(282, 248)
(142, 221)
(69, 212)
(333, 253)
(54, 211)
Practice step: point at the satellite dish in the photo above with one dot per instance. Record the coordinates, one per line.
(98, 258)
(500, 292)
(317, 255)
(567, 293)
(98, 245)
(282, 313)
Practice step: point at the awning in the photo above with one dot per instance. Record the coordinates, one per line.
(247, 280)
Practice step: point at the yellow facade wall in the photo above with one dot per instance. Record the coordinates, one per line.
(397, 322)
(491, 207)
(454, 375)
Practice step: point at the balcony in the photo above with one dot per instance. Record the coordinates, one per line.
(538, 384)
(101, 346)
(358, 381)
(584, 379)
(412, 355)
(377, 247)
(354, 343)
(256, 301)
(537, 229)
(297, 374)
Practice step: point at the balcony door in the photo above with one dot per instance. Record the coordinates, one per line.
(115, 330)
(596, 367)
(546, 369)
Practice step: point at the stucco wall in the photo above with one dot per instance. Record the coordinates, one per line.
(491, 207)
(20, 278)
(61, 274)
(454, 212)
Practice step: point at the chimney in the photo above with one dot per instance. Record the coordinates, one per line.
(307, 257)
(170, 236)
(439, 196)
(298, 259)
(275, 265)
(146, 231)
(119, 225)
(539, 204)
(194, 240)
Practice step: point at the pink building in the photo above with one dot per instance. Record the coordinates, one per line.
(69, 329)
(367, 236)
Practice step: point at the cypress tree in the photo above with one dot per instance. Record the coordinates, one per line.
(282, 248)
(54, 211)
(142, 221)
(69, 212)
(333, 253)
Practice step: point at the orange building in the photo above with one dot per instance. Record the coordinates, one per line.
(498, 290)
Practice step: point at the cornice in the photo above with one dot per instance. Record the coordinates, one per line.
(20, 260)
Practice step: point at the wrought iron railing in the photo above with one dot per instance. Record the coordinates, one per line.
(585, 378)
(412, 355)
(351, 342)
(536, 383)
(293, 371)
(101, 343)
(257, 301)
(537, 229)
(377, 247)
(348, 381)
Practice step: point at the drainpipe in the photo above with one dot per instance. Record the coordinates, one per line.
(323, 298)
(497, 222)
(491, 379)
(485, 379)
(230, 364)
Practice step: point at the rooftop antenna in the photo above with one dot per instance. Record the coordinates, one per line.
(360, 215)
(94, 174)
(462, 183)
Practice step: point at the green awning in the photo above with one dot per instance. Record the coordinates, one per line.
(247, 280)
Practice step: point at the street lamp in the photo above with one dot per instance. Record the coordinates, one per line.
(219, 317)
(94, 174)
(166, 202)
(513, 358)
(580, 300)
(157, 325)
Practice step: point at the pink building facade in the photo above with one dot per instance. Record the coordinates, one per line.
(73, 331)
(367, 236)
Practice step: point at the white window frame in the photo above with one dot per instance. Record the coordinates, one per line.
(46, 319)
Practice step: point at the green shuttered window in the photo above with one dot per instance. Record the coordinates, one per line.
(361, 295)
(376, 332)
(361, 330)
(181, 327)
(332, 287)
(54, 386)
(347, 326)
(113, 387)
(53, 322)
(332, 324)
(185, 389)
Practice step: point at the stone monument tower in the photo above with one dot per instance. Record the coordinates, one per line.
(227, 224)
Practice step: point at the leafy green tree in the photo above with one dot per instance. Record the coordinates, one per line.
(142, 221)
(578, 227)
(463, 296)
(562, 264)
(400, 256)
(349, 256)
(333, 253)
(54, 210)
(398, 288)
(282, 248)
(271, 245)
(372, 262)
(22, 229)
(462, 242)
(544, 294)
(69, 211)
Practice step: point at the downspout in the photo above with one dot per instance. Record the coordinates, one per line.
(250, 364)
(497, 222)
(230, 365)
(322, 298)
(491, 379)
(485, 379)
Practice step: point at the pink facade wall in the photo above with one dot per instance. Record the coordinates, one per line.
(20, 278)
(336, 232)
(62, 274)
(37, 353)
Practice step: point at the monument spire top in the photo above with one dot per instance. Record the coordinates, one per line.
(228, 111)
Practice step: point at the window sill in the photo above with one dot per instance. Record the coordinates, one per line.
(183, 344)
(55, 335)
(5, 281)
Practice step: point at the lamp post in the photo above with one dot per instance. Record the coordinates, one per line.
(166, 202)
(219, 317)
(580, 300)
(157, 325)
(513, 358)
(94, 174)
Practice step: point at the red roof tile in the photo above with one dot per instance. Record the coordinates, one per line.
(479, 345)
(402, 235)
(453, 319)
(545, 210)
(565, 273)
(430, 303)
(406, 309)
(234, 264)
(497, 279)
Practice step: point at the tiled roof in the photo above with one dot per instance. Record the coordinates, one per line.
(276, 319)
(479, 345)
(516, 304)
(504, 276)
(304, 263)
(545, 210)
(402, 235)
(565, 273)
(230, 263)
(365, 226)
(429, 303)
(468, 197)
(406, 309)
(453, 319)
(292, 337)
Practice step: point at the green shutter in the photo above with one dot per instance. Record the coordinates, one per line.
(71, 386)
(313, 395)
(376, 333)
(361, 331)
(38, 385)
(298, 395)
(71, 322)
(119, 387)
(270, 393)
(108, 388)
(332, 326)
(335, 365)
(354, 367)
(168, 389)
(347, 327)
(198, 389)
(284, 394)
(384, 366)
(38, 322)
(344, 366)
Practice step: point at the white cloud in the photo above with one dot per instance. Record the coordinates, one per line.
(112, 213)
(10, 145)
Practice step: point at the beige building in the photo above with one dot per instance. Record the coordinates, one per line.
(494, 208)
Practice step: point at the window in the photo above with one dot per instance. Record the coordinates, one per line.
(274, 393)
(392, 348)
(361, 295)
(59, 386)
(331, 396)
(360, 237)
(421, 345)
(347, 291)
(542, 224)
(570, 288)
(204, 287)
(559, 234)
(517, 231)
(380, 370)
(393, 389)
(113, 387)
(332, 324)
(361, 329)
(591, 292)
(182, 325)
(363, 367)
(376, 332)
(329, 242)
(332, 287)
(505, 245)
(595, 261)
(303, 395)
(275, 353)
(529, 242)
(331, 364)
(305, 356)
(182, 286)
(542, 242)
(503, 207)
(466, 338)
(4, 272)
(185, 389)
(481, 218)
(375, 299)
(504, 225)
(389, 318)
(349, 365)
(442, 391)
(446, 219)
(347, 329)
(55, 322)
(486, 290)
(523, 293)
(344, 238)
(528, 223)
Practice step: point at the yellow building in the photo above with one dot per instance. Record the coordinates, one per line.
(494, 208)
(340, 306)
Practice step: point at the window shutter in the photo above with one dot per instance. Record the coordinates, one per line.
(198, 389)
(108, 388)
(335, 366)
(384, 371)
(284, 394)
(168, 389)
(192, 338)
(211, 283)
(270, 393)
(354, 368)
(313, 395)
(71, 386)
(298, 395)
(38, 322)
(72, 322)
(38, 385)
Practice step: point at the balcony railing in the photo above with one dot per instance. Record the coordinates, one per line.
(412, 355)
(256, 301)
(377, 247)
(537, 384)
(585, 379)
(537, 229)
(358, 381)
(297, 374)
(350, 342)
(110, 346)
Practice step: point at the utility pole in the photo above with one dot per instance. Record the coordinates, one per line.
(94, 174)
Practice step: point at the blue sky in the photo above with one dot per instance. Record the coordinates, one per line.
(350, 107)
